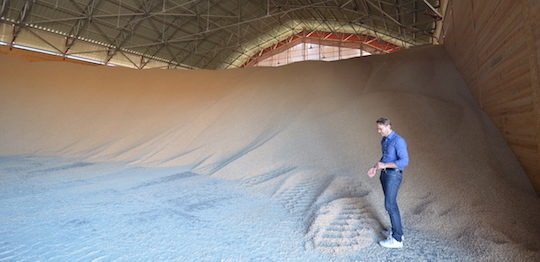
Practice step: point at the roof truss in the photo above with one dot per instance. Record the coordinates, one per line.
(215, 33)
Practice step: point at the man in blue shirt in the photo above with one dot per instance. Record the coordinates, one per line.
(393, 161)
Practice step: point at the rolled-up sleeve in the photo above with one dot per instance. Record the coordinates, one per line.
(402, 154)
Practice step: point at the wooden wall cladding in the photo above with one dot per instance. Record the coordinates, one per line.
(495, 44)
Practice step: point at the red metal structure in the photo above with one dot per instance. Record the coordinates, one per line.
(364, 42)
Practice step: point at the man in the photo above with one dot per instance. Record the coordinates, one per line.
(393, 161)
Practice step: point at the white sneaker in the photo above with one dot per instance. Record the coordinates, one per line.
(388, 234)
(391, 243)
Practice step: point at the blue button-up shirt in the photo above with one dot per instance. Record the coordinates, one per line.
(394, 150)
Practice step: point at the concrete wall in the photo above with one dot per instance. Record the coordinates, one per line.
(495, 44)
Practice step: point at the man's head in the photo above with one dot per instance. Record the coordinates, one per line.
(384, 127)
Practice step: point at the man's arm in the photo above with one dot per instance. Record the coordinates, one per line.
(382, 165)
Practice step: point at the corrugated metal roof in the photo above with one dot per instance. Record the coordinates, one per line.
(217, 33)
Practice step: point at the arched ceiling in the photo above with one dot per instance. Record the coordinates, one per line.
(214, 34)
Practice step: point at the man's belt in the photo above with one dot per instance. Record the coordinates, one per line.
(392, 169)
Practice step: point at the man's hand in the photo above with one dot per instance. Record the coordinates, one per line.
(381, 165)
(372, 171)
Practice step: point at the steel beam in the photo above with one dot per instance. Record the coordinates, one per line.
(164, 44)
(21, 20)
(323, 17)
(433, 8)
(409, 27)
(398, 16)
(178, 28)
(195, 44)
(80, 25)
(237, 34)
(4, 7)
(122, 37)
(128, 15)
(215, 44)
(380, 8)
(439, 24)
(243, 22)
(129, 59)
(44, 40)
(268, 14)
(81, 10)
(172, 25)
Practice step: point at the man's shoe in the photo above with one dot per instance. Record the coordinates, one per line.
(391, 243)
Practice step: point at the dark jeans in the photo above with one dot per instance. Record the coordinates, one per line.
(390, 181)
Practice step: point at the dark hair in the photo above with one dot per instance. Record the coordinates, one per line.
(384, 121)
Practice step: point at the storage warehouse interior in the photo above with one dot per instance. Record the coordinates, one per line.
(242, 130)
